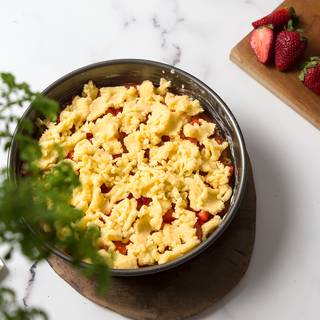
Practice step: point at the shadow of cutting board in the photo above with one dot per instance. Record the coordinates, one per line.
(287, 85)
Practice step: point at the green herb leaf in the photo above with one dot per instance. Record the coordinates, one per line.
(46, 107)
(36, 213)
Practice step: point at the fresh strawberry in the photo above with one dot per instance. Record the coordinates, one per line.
(290, 47)
(310, 75)
(278, 19)
(262, 43)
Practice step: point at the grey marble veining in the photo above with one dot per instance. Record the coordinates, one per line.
(32, 270)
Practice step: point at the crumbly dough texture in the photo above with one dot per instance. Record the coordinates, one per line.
(129, 142)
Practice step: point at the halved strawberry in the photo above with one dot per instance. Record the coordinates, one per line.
(310, 75)
(278, 19)
(262, 43)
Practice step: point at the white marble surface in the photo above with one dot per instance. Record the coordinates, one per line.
(42, 40)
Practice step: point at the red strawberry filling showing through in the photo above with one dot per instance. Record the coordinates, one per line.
(168, 217)
(121, 247)
(203, 216)
(70, 154)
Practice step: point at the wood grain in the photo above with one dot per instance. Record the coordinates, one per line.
(186, 290)
(287, 85)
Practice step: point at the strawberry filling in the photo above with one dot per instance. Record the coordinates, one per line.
(122, 135)
(203, 216)
(193, 140)
(165, 138)
(199, 232)
(121, 247)
(73, 129)
(218, 140)
(114, 111)
(104, 188)
(70, 154)
(129, 85)
(89, 136)
(195, 121)
(102, 219)
(222, 213)
(231, 170)
(147, 153)
(168, 217)
(143, 201)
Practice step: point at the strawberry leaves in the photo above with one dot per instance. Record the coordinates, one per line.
(310, 75)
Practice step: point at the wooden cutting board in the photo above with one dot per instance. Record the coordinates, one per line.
(287, 85)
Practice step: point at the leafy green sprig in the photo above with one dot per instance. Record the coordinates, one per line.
(36, 214)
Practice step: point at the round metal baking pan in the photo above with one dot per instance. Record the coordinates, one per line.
(124, 71)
